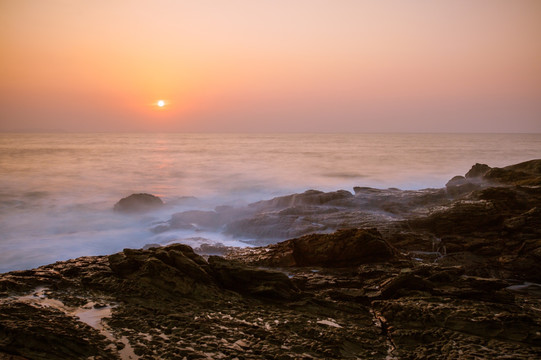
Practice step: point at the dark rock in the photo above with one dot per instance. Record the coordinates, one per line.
(478, 171)
(173, 269)
(238, 277)
(403, 284)
(461, 185)
(462, 217)
(504, 198)
(137, 203)
(309, 197)
(525, 173)
(527, 222)
(36, 332)
(344, 248)
(483, 284)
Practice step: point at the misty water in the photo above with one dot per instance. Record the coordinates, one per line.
(57, 191)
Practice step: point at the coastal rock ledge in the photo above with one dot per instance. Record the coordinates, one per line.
(451, 275)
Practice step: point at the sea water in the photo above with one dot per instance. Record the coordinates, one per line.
(57, 191)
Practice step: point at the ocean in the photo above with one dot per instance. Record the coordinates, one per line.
(57, 191)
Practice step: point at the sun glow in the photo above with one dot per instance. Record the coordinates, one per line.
(161, 103)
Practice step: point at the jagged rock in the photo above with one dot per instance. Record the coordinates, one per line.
(525, 173)
(236, 276)
(175, 268)
(478, 171)
(137, 203)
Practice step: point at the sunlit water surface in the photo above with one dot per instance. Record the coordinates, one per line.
(57, 190)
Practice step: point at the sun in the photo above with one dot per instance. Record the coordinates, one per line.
(161, 103)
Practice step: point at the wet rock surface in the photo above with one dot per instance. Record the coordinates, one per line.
(451, 274)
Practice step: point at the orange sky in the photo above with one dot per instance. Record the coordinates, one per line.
(280, 66)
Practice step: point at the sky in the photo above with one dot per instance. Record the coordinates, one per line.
(270, 65)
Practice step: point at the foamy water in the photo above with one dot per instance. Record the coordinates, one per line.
(57, 190)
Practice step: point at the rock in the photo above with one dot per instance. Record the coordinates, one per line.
(419, 327)
(138, 203)
(468, 285)
(213, 249)
(309, 197)
(527, 222)
(526, 173)
(236, 276)
(478, 171)
(205, 220)
(505, 198)
(403, 284)
(272, 226)
(171, 269)
(460, 185)
(462, 217)
(35, 332)
(195, 219)
(344, 248)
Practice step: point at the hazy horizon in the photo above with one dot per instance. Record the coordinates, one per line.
(242, 66)
(44, 132)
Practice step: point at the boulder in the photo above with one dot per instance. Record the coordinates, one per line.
(249, 280)
(138, 203)
(460, 185)
(171, 269)
(343, 248)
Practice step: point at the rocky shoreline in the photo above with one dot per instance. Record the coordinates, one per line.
(449, 273)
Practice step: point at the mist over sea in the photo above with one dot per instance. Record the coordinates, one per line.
(57, 191)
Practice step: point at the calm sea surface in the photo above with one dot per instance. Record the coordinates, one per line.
(57, 190)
